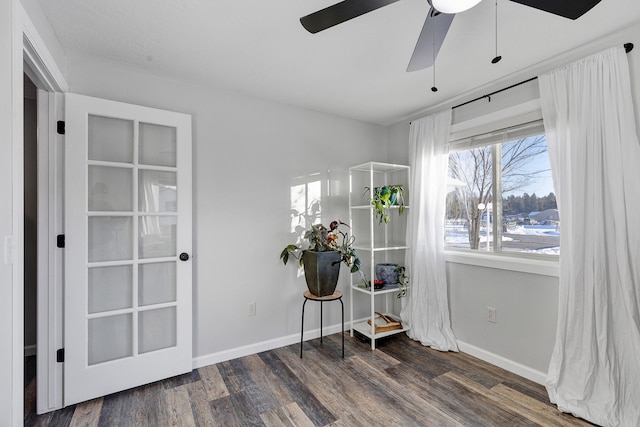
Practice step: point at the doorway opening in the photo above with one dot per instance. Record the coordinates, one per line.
(30, 134)
(42, 218)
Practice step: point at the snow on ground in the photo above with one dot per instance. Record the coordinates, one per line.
(545, 251)
(535, 230)
(457, 236)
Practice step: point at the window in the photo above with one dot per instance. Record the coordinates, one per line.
(514, 164)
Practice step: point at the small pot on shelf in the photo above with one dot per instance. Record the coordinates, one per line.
(387, 272)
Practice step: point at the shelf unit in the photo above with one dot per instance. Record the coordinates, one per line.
(376, 243)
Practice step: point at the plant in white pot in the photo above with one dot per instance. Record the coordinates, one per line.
(328, 247)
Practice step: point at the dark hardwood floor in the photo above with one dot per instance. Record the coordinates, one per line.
(400, 384)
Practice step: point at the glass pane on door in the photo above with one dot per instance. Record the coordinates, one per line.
(110, 140)
(157, 236)
(110, 288)
(157, 329)
(110, 338)
(156, 283)
(110, 189)
(157, 145)
(110, 238)
(157, 191)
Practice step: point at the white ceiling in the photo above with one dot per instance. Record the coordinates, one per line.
(356, 69)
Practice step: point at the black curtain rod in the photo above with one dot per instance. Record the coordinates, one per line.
(488, 96)
(628, 47)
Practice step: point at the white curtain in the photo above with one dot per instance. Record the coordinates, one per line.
(427, 307)
(595, 159)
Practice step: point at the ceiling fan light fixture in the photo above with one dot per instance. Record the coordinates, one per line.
(453, 6)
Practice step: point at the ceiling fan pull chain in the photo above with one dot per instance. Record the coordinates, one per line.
(434, 88)
(497, 58)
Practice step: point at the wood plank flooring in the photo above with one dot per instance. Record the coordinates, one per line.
(401, 383)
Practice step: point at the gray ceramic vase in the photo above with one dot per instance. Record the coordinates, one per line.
(321, 271)
(387, 273)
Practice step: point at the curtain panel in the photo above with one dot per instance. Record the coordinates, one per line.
(589, 120)
(427, 306)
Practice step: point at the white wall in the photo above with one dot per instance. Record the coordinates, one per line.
(526, 306)
(526, 303)
(247, 155)
(399, 143)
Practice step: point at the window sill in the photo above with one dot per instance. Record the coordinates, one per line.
(544, 267)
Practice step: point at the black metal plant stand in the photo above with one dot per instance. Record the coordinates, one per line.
(337, 295)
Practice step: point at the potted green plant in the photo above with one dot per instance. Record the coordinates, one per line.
(403, 281)
(327, 248)
(385, 197)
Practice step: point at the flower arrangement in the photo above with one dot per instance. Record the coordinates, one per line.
(322, 239)
(385, 197)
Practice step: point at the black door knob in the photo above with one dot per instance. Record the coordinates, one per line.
(184, 256)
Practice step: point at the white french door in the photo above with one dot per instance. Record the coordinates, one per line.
(128, 246)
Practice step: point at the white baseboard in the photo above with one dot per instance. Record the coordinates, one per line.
(504, 363)
(30, 350)
(234, 353)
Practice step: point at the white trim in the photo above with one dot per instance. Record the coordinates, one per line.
(46, 74)
(38, 57)
(504, 262)
(504, 363)
(234, 353)
(17, 155)
(525, 112)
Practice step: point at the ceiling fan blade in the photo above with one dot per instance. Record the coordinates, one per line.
(572, 9)
(339, 13)
(431, 37)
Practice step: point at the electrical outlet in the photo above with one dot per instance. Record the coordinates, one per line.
(491, 315)
(252, 309)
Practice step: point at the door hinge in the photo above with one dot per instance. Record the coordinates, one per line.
(60, 355)
(60, 241)
(60, 127)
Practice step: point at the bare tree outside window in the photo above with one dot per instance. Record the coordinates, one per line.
(517, 158)
(522, 165)
(472, 167)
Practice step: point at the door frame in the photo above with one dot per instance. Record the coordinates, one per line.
(38, 64)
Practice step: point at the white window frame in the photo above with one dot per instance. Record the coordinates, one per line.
(497, 121)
